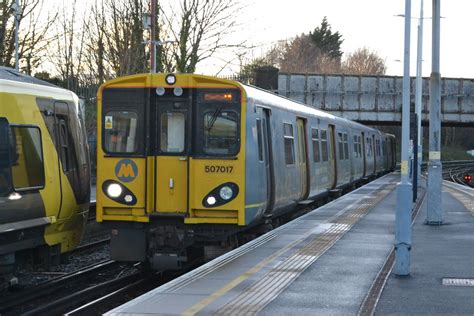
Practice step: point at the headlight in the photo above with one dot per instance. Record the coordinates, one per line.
(118, 192)
(170, 79)
(178, 91)
(221, 195)
(114, 190)
(226, 193)
(160, 91)
(211, 200)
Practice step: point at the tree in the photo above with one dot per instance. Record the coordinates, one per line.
(202, 27)
(34, 30)
(364, 62)
(328, 42)
(126, 50)
(316, 52)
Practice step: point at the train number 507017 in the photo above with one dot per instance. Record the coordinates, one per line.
(218, 169)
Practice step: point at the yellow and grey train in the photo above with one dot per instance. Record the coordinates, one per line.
(44, 172)
(186, 160)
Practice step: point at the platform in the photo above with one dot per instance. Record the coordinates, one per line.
(327, 263)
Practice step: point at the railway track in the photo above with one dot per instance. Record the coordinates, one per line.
(455, 171)
(47, 296)
(92, 245)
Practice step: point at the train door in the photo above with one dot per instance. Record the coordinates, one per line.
(332, 157)
(63, 147)
(302, 157)
(364, 155)
(171, 162)
(268, 159)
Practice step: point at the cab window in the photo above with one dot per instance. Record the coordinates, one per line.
(6, 149)
(221, 132)
(217, 128)
(120, 131)
(27, 163)
(172, 132)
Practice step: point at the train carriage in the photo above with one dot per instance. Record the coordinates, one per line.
(44, 172)
(186, 160)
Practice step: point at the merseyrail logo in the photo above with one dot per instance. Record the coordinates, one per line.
(126, 170)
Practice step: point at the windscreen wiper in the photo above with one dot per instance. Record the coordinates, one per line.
(212, 120)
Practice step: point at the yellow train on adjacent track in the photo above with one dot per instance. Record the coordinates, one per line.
(44, 173)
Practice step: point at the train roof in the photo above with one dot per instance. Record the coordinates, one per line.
(13, 81)
(267, 98)
(14, 75)
(276, 100)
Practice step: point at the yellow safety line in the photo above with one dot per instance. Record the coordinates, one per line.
(244, 276)
(255, 205)
(193, 310)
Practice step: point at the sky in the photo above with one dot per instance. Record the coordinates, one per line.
(369, 23)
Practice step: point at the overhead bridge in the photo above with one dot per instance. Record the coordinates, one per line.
(377, 100)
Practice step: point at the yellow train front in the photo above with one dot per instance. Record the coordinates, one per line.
(186, 161)
(44, 173)
(169, 155)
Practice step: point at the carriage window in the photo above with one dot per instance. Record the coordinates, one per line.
(28, 165)
(221, 132)
(359, 138)
(65, 149)
(289, 143)
(341, 146)
(356, 152)
(172, 132)
(346, 145)
(324, 146)
(369, 147)
(259, 140)
(120, 129)
(315, 139)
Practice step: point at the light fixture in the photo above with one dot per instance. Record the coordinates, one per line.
(114, 190)
(226, 193)
(178, 91)
(170, 79)
(160, 91)
(14, 196)
(211, 200)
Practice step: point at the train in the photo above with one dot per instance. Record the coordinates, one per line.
(188, 162)
(44, 173)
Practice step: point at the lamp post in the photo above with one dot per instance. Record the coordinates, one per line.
(16, 10)
(434, 214)
(404, 189)
(418, 92)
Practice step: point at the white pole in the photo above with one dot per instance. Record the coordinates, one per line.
(434, 212)
(404, 188)
(419, 89)
(17, 14)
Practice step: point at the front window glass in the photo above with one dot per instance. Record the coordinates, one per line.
(172, 132)
(27, 166)
(120, 129)
(221, 132)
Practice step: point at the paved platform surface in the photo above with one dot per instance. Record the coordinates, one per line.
(438, 252)
(326, 262)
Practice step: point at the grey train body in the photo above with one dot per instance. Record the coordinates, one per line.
(297, 154)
